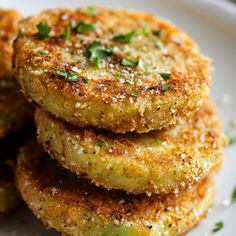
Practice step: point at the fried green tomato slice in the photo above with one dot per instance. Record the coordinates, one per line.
(15, 111)
(76, 207)
(156, 162)
(8, 26)
(119, 70)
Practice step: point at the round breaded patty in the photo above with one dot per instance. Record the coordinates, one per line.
(119, 70)
(8, 30)
(156, 162)
(74, 206)
(15, 111)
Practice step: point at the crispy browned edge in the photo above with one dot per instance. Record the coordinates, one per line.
(127, 145)
(137, 122)
(35, 175)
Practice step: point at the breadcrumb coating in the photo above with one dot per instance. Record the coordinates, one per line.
(138, 74)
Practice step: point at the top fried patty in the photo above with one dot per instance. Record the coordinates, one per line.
(115, 69)
(8, 30)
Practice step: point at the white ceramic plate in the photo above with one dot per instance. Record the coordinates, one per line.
(212, 23)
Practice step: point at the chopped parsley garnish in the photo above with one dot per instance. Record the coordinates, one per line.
(129, 62)
(156, 32)
(43, 30)
(159, 141)
(61, 73)
(92, 11)
(99, 143)
(96, 62)
(126, 38)
(120, 74)
(96, 52)
(69, 76)
(67, 33)
(218, 226)
(72, 77)
(145, 27)
(42, 52)
(145, 30)
(134, 94)
(166, 87)
(233, 197)
(83, 27)
(159, 44)
(84, 80)
(165, 75)
(232, 140)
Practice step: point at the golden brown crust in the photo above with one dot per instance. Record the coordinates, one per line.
(8, 29)
(76, 207)
(115, 97)
(15, 111)
(156, 162)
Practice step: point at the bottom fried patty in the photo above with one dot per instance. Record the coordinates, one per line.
(15, 111)
(155, 162)
(76, 207)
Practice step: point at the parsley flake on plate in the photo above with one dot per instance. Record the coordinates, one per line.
(233, 196)
(232, 140)
(218, 226)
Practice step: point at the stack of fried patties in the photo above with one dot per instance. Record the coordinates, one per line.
(15, 113)
(123, 110)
